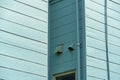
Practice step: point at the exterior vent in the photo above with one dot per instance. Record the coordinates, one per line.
(59, 49)
(54, 1)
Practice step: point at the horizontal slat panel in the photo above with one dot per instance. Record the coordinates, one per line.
(23, 31)
(24, 9)
(96, 53)
(23, 66)
(64, 4)
(94, 15)
(63, 30)
(94, 62)
(95, 43)
(22, 19)
(62, 12)
(70, 65)
(113, 40)
(96, 34)
(114, 49)
(23, 54)
(113, 22)
(96, 72)
(115, 68)
(95, 6)
(41, 4)
(114, 76)
(8, 74)
(23, 42)
(95, 24)
(114, 58)
(63, 21)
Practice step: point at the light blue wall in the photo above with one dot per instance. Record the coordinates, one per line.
(114, 38)
(23, 39)
(102, 41)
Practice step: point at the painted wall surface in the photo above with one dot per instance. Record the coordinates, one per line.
(23, 39)
(62, 31)
(102, 40)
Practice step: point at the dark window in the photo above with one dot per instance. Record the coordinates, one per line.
(69, 76)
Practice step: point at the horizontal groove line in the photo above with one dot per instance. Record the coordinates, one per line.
(22, 48)
(95, 38)
(96, 58)
(22, 59)
(64, 6)
(96, 77)
(103, 14)
(104, 6)
(44, 1)
(63, 16)
(23, 14)
(58, 10)
(115, 72)
(103, 50)
(63, 34)
(30, 6)
(22, 36)
(22, 71)
(66, 24)
(103, 60)
(22, 25)
(115, 54)
(103, 32)
(96, 48)
(74, 59)
(103, 41)
(64, 42)
(114, 44)
(94, 19)
(115, 2)
(96, 67)
(102, 22)
(95, 29)
(62, 25)
(118, 64)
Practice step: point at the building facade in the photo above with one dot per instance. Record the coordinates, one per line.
(102, 39)
(23, 39)
(91, 28)
(77, 40)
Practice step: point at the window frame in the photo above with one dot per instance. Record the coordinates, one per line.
(63, 74)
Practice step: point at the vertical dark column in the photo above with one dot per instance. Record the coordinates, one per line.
(106, 41)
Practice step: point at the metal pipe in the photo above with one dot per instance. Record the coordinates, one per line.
(106, 41)
(78, 41)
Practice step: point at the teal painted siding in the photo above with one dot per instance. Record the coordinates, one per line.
(62, 31)
(23, 39)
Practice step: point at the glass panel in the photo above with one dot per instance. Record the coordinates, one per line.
(66, 77)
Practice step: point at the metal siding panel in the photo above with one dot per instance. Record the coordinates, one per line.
(23, 40)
